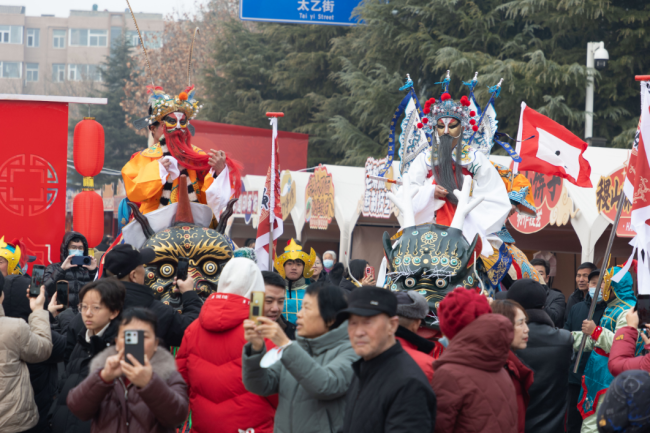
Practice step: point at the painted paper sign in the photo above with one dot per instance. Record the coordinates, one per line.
(608, 192)
(319, 199)
(287, 194)
(247, 205)
(375, 197)
(551, 200)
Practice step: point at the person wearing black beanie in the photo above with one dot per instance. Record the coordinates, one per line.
(548, 354)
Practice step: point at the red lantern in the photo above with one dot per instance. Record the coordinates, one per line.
(88, 147)
(88, 212)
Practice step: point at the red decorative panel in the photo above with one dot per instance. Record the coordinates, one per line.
(33, 153)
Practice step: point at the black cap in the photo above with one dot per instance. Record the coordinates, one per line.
(595, 273)
(370, 301)
(122, 259)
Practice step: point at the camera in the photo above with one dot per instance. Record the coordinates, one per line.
(131, 337)
(601, 56)
(81, 260)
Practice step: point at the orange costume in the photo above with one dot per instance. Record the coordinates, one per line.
(153, 184)
(143, 183)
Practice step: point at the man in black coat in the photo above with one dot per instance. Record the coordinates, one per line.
(126, 264)
(42, 375)
(389, 392)
(555, 304)
(577, 315)
(548, 354)
(582, 286)
(77, 276)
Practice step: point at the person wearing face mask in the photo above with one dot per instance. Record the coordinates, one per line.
(121, 392)
(522, 376)
(577, 316)
(74, 245)
(620, 299)
(548, 354)
(329, 260)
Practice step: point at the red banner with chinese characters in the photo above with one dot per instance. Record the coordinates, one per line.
(551, 200)
(608, 192)
(33, 168)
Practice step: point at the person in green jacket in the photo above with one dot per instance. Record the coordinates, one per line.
(313, 373)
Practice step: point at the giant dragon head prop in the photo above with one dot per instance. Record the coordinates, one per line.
(432, 259)
(207, 249)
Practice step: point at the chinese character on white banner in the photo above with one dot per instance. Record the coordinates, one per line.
(375, 200)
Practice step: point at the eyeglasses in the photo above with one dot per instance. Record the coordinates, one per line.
(94, 308)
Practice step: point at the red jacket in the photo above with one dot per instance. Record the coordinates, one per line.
(424, 361)
(522, 379)
(474, 392)
(621, 356)
(210, 360)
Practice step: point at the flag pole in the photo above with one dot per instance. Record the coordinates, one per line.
(274, 135)
(612, 235)
(608, 251)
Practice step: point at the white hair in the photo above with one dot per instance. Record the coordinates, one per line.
(330, 252)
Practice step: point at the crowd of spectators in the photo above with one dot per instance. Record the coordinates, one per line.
(329, 353)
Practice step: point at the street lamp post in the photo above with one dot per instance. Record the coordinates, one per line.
(597, 56)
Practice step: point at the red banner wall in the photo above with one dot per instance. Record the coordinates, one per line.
(33, 154)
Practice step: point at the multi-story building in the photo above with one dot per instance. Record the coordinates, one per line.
(48, 55)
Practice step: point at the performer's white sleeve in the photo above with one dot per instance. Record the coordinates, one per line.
(218, 194)
(173, 171)
(491, 214)
(424, 203)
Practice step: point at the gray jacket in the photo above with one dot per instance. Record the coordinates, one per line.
(311, 379)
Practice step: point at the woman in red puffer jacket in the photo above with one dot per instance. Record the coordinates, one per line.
(522, 376)
(474, 392)
(210, 358)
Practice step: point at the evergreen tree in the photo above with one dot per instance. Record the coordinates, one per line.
(275, 67)
(341, 85)
(120, 140)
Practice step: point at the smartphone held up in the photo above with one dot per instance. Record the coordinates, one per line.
(38, 272)
(256, 306)
(134, 345)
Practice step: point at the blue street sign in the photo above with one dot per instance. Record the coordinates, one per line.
(332, 12)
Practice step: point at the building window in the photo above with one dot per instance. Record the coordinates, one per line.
(11, 69)
(98, 38)
(33, 37)
(59, 38)
(58, 73)
(31, 72)
(88, 38)
(152, 40)
(11, 34)
(116, 32)
(84, 72)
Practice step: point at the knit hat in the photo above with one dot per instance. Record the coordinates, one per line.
(625, 408)
(411, 305)
(240, 276)
(528, 293)
(459, 309)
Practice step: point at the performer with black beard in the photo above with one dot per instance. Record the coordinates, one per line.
(438, 173)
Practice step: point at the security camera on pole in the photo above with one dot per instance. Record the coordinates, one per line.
(597, 57)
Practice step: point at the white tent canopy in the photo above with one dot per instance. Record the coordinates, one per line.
(349, 188)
